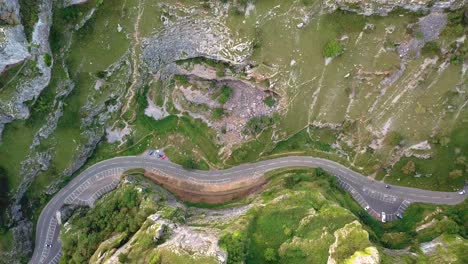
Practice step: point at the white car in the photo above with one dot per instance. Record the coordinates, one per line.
(367, 208)
(462, 192)
(384, 217)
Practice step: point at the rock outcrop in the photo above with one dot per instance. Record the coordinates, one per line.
(13, 46)
(9, 12)
(13, 43)
(190, 39)
(73, 2)
(29, 88)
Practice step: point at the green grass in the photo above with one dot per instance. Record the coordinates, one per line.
(435, 172)
(185, 138)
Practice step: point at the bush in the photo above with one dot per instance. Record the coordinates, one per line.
(456, 59)
(101, 74)
(332, 49)
(182, 79)
(220, 70)
(48, 59)
(257, 124)
(217, 113)
(270, 101)
(393, 138)
(236, 246)
(291, 181)
(226, 93)
(430, 48)
(123, 258)
(190, 164)
(409, 168)
(269, 255)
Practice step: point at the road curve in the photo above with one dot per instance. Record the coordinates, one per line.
(104, 176)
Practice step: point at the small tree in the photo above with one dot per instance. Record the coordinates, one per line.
(123, 258)
(319, 172)
(409, 168)
(393, 138)
(269, 255)
(189, 164)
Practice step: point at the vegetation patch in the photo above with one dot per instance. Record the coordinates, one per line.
(332, 49)
(122, 211)
(257, 124)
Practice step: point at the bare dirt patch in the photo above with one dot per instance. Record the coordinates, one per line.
(193, 192)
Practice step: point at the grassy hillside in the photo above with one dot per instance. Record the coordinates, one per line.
(298, 218)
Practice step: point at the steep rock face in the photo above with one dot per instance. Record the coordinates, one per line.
(13, 46)
(13, 43)
(383, 7)
(190, 39)
(9, 12)
(28, 89)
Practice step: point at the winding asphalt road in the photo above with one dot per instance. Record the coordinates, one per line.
(104, 176)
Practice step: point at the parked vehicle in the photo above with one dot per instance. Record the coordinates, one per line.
(384, 217)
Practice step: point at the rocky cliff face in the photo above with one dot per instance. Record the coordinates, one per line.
(13, 44)
(9, 12)
(382, 7)
(15, 51)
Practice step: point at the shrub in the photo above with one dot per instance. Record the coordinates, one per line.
(257, 124)
(217, 113)
(455, 174)
(101, 74)
(270, 101)
(419, 35)
(332, 49)
(456, 59)
(48, 59)
(409, 168)
(430, 48)
(226, 93)
(123, 258)
(393, 138)
(182, 79)
(220, 70)
(236, 246)
(189, 164)
(291, 181)
(269, 255)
